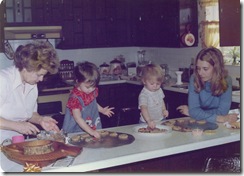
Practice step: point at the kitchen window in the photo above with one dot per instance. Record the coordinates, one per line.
(209, 31)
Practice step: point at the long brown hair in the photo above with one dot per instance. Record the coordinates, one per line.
(218, 82)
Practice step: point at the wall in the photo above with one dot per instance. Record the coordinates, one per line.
(174, 57)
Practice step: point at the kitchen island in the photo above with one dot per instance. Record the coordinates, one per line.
(146, 148)
(143, 149)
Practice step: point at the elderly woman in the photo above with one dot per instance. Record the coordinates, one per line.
(18, 95)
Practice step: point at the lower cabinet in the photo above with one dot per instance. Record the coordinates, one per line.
(124, 99)
(173, 100)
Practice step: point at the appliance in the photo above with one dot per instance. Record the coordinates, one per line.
(32, 32)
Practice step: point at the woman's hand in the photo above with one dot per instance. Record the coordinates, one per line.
(49, 124)
(107, 111)
(26, 128)
(231, 118)
(183, 109)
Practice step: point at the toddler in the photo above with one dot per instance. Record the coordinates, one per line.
(82, 112)
(151, 97)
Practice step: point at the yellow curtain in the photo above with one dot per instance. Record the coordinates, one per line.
(210, 33)
(209, 30)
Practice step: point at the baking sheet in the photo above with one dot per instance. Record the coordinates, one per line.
(105, 142)
(187, 126)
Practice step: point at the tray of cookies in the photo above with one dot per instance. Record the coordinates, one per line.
(108, 139)
(188, 124)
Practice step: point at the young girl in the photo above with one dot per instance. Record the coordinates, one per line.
(151, 101)
(82, 112)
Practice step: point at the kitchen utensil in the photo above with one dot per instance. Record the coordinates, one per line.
(188, 39)
(8, 50)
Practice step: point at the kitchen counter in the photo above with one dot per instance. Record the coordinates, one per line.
(235, 94)
(145, 148)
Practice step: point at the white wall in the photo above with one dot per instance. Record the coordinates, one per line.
(174, 57)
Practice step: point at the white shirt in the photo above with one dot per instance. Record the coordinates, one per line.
(18, 101)
(154, 102)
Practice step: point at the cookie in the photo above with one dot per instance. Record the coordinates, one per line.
(76, 138)
(192, 120)
(176, 128)
(104, 133)
(201, 121)
(123, 136)
(113, 134)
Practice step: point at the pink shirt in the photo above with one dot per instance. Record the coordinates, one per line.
(15, 103)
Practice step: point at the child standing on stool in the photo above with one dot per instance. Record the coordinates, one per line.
(151, 98)
(82, 111)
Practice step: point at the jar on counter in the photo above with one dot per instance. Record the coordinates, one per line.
(115, 67)
(104, 69)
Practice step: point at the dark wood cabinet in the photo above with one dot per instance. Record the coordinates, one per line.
(230, 22)
(47, 12)
(109, 23)
(1, 27)
(161, 23)
(18, 12)
(124, 98)
(173, 100)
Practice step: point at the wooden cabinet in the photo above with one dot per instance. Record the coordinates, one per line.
(95, 23)
(161, 23)
(47, 12)
(124, 98)
(1, 27)
(18, 12)
(230, 22)
(173, 100)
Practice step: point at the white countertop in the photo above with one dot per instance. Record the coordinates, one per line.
(144, 148)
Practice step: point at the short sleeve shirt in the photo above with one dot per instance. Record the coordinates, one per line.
(154, 102)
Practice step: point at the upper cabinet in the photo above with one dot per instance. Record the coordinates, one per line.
(164, 23)
(1, 28)
(18, 12)
(47, 12)
(110, 23)
(230, 22)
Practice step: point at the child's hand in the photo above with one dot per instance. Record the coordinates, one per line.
(165, 113)
(108, 111)
(96, 134)
(151, 124)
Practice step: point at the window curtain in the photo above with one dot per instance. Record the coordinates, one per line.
(209, 26)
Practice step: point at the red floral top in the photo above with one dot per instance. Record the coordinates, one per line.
(73, 102)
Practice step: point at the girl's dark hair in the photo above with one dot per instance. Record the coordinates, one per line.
(35, 56)
(87, 72)
(218, 82)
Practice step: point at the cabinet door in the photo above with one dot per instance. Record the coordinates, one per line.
(230, 22)
(18, 12)
(1, 27)
(173, 100)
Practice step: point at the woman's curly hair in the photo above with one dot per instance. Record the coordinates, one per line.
(35, 56)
